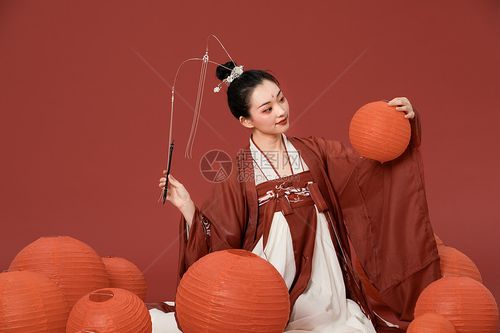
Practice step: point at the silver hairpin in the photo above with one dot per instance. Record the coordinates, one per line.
(235, 73)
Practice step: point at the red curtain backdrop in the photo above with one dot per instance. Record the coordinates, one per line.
(85, 93)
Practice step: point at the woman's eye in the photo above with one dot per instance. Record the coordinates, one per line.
(268, 110)
(282, 99)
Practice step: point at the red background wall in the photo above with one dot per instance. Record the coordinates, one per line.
(85, 88)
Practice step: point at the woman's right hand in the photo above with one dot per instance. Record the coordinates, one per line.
(177, 193)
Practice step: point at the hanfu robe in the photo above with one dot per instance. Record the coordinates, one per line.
(295, 208)
(380, 208)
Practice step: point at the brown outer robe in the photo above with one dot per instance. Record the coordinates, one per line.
(383, 206)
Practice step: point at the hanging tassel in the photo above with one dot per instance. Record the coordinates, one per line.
(197, 108)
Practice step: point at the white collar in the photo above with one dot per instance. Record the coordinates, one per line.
(264, 171)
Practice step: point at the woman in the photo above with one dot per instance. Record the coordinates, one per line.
(294, 202)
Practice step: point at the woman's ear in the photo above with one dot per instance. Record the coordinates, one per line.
(246, 122)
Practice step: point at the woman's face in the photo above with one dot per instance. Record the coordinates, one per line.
(269, 110)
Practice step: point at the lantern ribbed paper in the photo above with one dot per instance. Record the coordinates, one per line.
(126, 275)
(465, 302)
(379, 132)
(73, 265)
(431, 323)
(455, 263)
(31, 303)
(110, 310)
(232, 291)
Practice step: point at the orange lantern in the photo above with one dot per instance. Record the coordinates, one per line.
(110, 310)
(232, 291)
(126, 275)
(455, 263)
(379, 132)
(465, 302)
(73, 265)
(431, 323)
(30, 302)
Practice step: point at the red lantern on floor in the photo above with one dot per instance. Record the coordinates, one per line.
(431, 323)
(73, 265)
(126, 275)
(232, 291)
(465, 302)
(30, 302)
(379, 132)
(455, 263)
(110, 310)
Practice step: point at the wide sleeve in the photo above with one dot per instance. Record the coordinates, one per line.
(217, 224)
(384, 208)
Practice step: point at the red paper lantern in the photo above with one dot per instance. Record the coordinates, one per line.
(110, 310)
(455, 263)
(465, 302)
(379, 132)
(232, 291)
(30, 302)
(73, 265)
(126, 275)
(431, 323)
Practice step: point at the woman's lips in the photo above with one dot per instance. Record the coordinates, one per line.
(283, 122)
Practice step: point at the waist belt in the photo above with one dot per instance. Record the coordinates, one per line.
(289, 197)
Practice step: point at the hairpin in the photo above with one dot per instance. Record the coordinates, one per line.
(235, 73)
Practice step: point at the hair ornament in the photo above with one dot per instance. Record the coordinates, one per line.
(235, 73)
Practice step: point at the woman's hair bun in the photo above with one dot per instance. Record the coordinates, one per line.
(222, 72)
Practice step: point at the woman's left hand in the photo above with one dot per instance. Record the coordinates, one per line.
(403, 104)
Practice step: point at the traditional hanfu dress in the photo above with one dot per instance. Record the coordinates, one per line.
(303, 225)
(290, 205)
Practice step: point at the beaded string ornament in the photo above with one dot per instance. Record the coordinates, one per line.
(235, 73)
